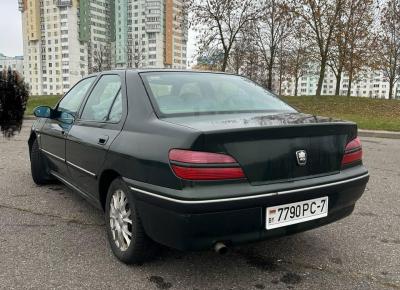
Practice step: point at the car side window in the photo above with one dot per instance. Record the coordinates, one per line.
(73, 99)
(101, 99)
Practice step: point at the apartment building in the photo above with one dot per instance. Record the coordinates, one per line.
(372, 84)
(63, 41)
(150, 33)
(16, 63)
(46, 36)
(97, 32)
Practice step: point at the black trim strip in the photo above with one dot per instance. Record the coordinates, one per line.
(52, 155)
(81, 169)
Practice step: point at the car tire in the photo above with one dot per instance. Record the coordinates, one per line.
(39, 170)
(121, 217)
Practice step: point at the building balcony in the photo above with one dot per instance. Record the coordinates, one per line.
(153, 5)
(64, 3)
(153, 27)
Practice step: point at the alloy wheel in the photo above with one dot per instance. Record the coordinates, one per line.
(120, 220)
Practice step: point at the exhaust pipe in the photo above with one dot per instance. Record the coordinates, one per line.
(220, 248)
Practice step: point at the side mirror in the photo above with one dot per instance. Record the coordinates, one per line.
(66, 118)
(42, 112)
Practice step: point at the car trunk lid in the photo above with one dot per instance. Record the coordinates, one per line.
(268, 147)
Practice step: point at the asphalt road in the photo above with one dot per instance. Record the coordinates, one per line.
(52, 238)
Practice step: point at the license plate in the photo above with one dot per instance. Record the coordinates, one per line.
(298, 212)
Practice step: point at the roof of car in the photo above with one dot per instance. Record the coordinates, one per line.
(141, 70)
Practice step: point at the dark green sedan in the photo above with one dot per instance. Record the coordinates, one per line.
(195, 160)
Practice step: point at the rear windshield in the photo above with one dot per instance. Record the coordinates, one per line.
(188, 93)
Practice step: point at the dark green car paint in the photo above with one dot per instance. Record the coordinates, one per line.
(264, 145)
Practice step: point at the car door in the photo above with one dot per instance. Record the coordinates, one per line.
(54, 131)
(100, 121)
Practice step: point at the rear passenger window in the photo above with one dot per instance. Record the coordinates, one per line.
(102, 98)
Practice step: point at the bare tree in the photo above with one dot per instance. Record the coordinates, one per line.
(359, 41)
(271, 29)
(242, 49)
(298, 59)
(389, 44)
(321, 17)
(209, 59)
(221, 21)
(283, 65)
(271, 40)
(353, 40)
(137, 56)
(252, 63)
(338, 54)
(101, 58)
(238, 55)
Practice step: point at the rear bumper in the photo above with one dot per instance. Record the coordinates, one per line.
(199, 224)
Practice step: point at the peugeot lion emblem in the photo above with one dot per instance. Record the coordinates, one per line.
(301, 157)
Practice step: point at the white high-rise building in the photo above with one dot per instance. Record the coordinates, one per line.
(372, 84)
(62, 42)
(67, 39)
(96, 30)
(150, 33)
(50, 43)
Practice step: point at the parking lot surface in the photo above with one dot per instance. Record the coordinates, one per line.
(52, 238)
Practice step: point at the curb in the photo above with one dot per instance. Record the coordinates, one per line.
(379, 134)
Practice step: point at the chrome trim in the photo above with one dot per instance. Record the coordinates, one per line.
(199, 201)
(81, 169)
(64, 180)
(69, 163)
(246, 197)
(52, 155)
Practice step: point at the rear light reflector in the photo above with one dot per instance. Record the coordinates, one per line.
(199, 157)
(353, 152)
(195, 165)
(192, 173)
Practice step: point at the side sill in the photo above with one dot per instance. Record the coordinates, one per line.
(86, 196)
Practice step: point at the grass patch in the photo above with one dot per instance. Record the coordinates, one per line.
(35, 101)
(371, 114)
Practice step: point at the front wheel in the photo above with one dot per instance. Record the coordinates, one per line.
(125, 232)
(38, 165)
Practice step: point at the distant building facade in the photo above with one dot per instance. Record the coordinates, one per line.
(372, 84)
(65, 40)
(150, 33)
(16, 63)
(61, 38)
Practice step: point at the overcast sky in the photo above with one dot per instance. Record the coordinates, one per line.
(11, 31)
(10, 28)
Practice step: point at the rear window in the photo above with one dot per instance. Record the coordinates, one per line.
(188, 93)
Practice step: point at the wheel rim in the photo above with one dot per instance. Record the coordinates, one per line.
(120, 220)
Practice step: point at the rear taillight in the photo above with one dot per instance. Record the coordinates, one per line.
(352, 153)
(194, 165)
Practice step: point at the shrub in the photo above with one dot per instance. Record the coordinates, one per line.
(14, 96)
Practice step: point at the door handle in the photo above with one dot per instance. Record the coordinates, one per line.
(103, 140)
